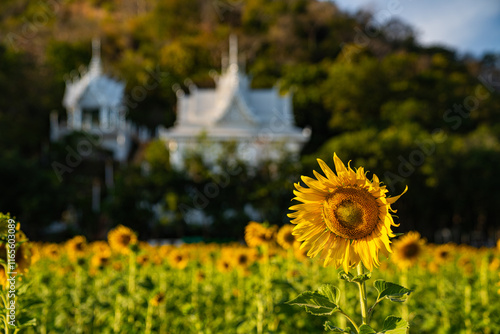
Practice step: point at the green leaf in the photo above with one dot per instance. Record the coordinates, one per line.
(315, 303)
(147, 283)
(29, 323)
(362, 278)
(392, 291)
(329, 327)
(395, 325)
(345, 276)
(354, 279)
(331, 292)
(365, 329)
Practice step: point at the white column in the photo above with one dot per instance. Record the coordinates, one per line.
(77, 118)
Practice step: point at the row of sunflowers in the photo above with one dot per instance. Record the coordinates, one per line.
(123, 285)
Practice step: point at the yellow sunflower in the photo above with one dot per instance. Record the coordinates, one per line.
(443, 253)
(224, 265)
(344, 218)
(408, 249)
(121, 238)
(76, 247)
(179, 259)
(100, 260)
(52, 251)
(285, 237)
(257, 234)
(158, 299)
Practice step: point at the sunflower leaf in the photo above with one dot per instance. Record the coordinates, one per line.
(331, 292)
(354, 279)
(315, 303)
(361, 278)
(329, 327)
(391, 291)
(395, 325)
(365, 329)
(345, 276)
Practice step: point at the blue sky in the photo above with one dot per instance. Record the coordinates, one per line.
(471, 26)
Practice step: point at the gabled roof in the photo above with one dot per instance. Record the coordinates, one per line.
(233, 109)
(94, 89)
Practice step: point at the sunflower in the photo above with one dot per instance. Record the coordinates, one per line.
(143, 259)
(158, 299)
(300, 253)
(224, 265)
(52, 251)
(408, 249)
(285, 237)
(99, 261)
(243, 257)
(344, 218)
(121, 238)
(466, 264)
(443, 253)
(76, 247)
(179, 259)
(257, 234)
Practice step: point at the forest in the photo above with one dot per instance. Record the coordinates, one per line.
(425, 117)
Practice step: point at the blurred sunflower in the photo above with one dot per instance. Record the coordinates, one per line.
(143, 259)
(344, 218)
(300, 253)
(257, 234)
(76, 247)
(243, 257)
(51, 251)
(100, 260)
(121, 238)
(178, 259)
(466, 265)
(443, 253)
(224, 265)
(408, 249)
(158, 299)
(285, 237)
(100, 247)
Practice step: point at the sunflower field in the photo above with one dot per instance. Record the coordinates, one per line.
(126, 286)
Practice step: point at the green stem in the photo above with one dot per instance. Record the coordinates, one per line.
(467, 307)
(404, 282)
(149, 319)
(362, 294)
(342, 319)
(352, 321)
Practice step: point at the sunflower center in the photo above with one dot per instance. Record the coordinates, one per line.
(351, 212)
(411, 250)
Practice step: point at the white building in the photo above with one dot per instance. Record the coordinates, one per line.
(94, 103)
(259, 121)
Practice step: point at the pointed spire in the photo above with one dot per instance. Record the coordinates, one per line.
(233, 52)
(95, 63)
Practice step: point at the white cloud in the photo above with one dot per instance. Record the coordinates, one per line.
(463, 24)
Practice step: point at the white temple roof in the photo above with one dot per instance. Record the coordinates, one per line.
(233, 109)
(94, 89)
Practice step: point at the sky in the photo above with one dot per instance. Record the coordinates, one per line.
(469, 26)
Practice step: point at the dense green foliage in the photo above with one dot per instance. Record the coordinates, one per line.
(422, 116)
